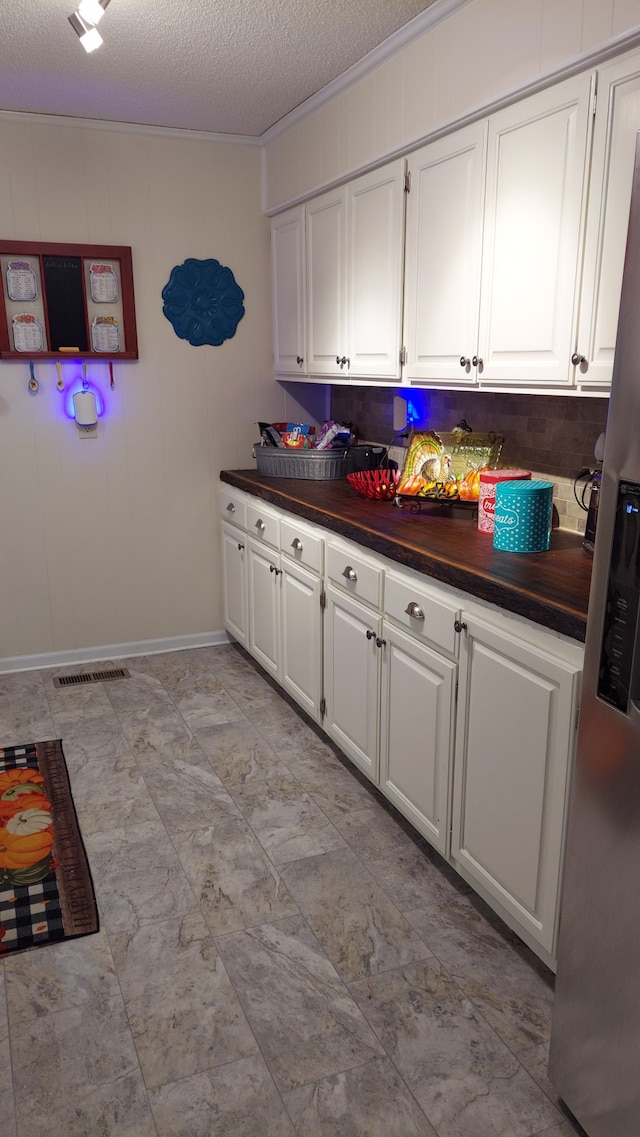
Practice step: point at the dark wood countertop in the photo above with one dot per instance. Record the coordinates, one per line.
(550, 588)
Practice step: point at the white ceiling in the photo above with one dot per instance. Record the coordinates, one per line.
(229, 66)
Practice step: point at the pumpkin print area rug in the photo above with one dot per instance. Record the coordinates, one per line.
(46, 891)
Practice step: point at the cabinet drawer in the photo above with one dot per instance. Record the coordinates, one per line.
(301, 545)
(233, 506)
(354, 573)
(263, 524)
(421, 610)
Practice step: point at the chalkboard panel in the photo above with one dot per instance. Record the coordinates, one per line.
(57, 296)
(63, 282)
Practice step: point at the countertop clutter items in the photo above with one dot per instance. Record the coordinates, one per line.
(550, 588)
(293, 450)
(447, 464)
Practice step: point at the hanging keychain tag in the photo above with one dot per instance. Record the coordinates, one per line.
(33, 382)
(60, 382)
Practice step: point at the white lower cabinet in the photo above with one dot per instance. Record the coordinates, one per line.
(462, 715)
(416, 735)
(352, 678)
(517, 710)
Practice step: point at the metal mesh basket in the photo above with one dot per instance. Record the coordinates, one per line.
(319, 464)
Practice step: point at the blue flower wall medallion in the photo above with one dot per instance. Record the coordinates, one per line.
(203, 302)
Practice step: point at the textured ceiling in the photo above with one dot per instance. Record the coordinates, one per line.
(230, 66)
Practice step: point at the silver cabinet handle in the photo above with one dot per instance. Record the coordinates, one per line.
(577, 359)
(299, 360)
(350, 574)
(260, 524)
(477, 361)
(296, 544)
(414, 610)
(380, 643)
(240, 547)
(370, 635)
(272, 568)
(464, 361)
(231, 507)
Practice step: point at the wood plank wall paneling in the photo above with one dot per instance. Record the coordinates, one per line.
(480, 53)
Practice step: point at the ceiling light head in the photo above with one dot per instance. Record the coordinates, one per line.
(92, 11)
(89, 36)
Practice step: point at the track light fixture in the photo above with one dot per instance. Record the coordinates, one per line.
(84, 20)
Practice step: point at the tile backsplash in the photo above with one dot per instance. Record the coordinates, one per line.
(554, 436)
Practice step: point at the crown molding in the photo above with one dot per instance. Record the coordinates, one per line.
(435, 14)
(129, 127)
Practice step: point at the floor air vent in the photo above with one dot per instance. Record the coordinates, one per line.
(91, 677)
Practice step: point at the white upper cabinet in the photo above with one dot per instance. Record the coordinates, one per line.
(443, 254)
(354, 249)
(617, 123)
(375, 261)
(326, 285)
(287, 271)
(537, 161)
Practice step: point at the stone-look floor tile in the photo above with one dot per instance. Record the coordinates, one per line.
(368, 1101)
(22, 686)
(236, 1100)
(303, 1016)
(91, 700)
(239, 754)
(184, 1014)
(174, 669)
(335, 789)
(565, 1128)
(77, 973)
(89, 737)
(109, 792)
(150, 734)
(138, 877)
(535, 1060)
(287, 823)
(201, 708)
(503, 979)
(235, 883)
(7, 1104)
(187, 792)
(465, 1078)
(78, 1074)
(23, 722)
(222, 659)
(359, 927)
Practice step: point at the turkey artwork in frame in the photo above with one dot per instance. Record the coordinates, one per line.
(60, 300)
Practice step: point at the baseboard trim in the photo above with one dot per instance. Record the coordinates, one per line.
(110, 651)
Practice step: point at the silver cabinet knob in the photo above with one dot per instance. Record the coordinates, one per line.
(296, 544)
(272, 568)
(379, 642)
(578, 360)
(477, 361)
(370, 635)
(260, 525)
(350, 574)
(231, 507)
(465, 361)
(240, 546)
(299, 360)
(414, 610)
(459, 626)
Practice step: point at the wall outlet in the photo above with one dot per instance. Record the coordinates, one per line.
(399, 413)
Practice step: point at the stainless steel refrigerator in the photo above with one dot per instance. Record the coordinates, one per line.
(595, 1040)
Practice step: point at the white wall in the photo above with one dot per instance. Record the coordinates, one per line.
(479, 54)
(115, 539)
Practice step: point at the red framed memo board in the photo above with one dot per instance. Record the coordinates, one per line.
(57, 298)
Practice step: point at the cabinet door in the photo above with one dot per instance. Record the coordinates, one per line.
(351, 669)
(287, 275)
(326, 258)
(617, 123)
(416, 736)
(444, 245)
(514, 737)
(375, 229)
(264, 606)
(301, 666)
(234, 582)
(537, 162)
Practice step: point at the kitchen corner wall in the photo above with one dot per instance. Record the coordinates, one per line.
(552, 435)
(114, 539)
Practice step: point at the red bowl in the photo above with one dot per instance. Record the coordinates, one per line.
(380, 485)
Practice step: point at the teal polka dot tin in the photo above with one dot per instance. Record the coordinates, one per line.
(523, 515)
